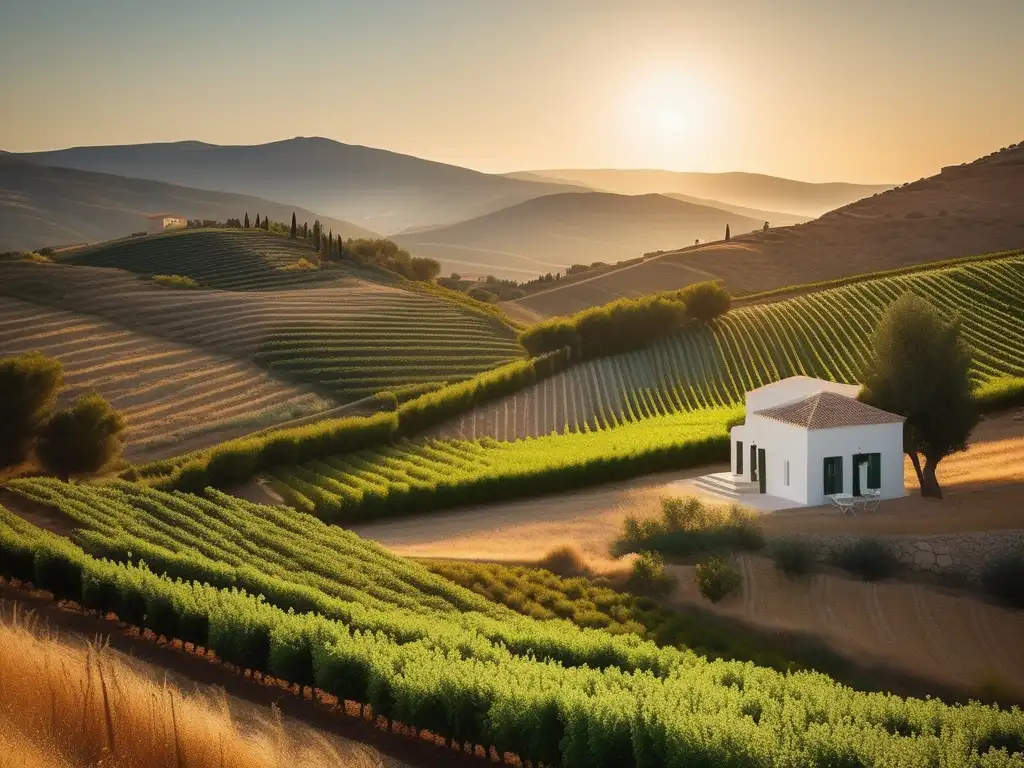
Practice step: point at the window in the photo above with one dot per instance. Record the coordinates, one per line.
(786, 471)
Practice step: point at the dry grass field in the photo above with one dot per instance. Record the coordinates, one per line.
(71, 705)
(173, 396)
(973, 208)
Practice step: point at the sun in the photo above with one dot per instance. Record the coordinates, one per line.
(672, 122)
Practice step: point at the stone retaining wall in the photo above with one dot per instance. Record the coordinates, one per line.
(964, 553)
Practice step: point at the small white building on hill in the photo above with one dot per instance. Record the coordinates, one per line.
(806, 439)
(158, 222)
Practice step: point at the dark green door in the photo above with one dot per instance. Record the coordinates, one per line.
(833, 475)
(762, 474)
(753, 463)
(739, 457)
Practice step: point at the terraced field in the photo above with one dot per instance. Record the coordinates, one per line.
(230, 259)
(350, 338)
(424, 475)
(364, 625)
(825, 334)
(173, 396)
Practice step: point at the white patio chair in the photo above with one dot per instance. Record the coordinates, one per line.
(844, 501)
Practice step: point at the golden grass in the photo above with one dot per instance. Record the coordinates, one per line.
(69, 706)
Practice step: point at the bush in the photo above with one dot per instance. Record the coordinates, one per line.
(716, 579)
(82, 439)
(626, 324)
(1003, 579)
(176, 281)
(705, 301)
(793, 556)
(301, 265)
(870, 559)
(648, 575)
(482, 294)
(28, 394)
(688, 526)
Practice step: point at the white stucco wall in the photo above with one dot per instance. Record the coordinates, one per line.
(781, 443)
(886, 439)
(793, 388)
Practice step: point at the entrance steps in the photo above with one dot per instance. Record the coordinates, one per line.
(726, 485)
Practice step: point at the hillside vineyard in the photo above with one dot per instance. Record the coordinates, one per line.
(825, 335)
(415, 648)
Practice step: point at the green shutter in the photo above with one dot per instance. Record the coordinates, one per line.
(874, 470)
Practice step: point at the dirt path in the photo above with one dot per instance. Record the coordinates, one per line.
(984, 491)
(960, 640)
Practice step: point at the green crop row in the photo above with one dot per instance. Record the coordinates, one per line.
(417, 477)
(700, 713)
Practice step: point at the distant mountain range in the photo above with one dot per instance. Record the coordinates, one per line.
(548, 234)
(752, 190)
(377, 189)
(966, 209)
(45, 206)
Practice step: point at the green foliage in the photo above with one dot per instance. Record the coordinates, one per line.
(422, 476)
(921, 370)
(28, 394)
(689, 526)
(648, 576)
(424, 269)
(433, 408)
(481, 294)
(626, 324)
(82, 439)
(1000, 394)
(302, 265)
(1003, 578)
(794, 556)
(871, 559)
(491, 680)
(176, 281)
(716, 579)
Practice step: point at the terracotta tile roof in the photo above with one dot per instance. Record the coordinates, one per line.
(828, 410)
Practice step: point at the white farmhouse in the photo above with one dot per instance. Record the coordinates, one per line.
(806, 439)
(158, 222)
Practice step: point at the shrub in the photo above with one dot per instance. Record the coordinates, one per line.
(626, 324)
(176, 281)
(81, 439)
(648, 574)
(1003, 578)
(299, 266)
(689, 525)
(28, 394)
(39, 258)
(482, 294)
(565, 561)
(716, 579)
(386, 401)
(705, 301)
(793, 556)
(870, 559)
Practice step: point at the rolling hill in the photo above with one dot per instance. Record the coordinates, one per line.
(966, 209)
(752, 190)
(825, 334)
(173, 396)
(548, 234)
(47, 206)
(349, 332)
(381, 190)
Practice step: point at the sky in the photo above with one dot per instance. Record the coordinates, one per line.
(845, 90)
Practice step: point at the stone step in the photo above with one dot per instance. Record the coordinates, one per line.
(729, 483)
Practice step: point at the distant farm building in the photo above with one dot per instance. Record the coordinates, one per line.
(158, 222)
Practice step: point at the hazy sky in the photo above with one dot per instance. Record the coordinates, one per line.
(858, 90)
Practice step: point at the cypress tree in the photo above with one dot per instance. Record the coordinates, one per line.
(246, 219)
(266, 223)
(726, 231)
(257, 221)
(294, 226)
(305, 230)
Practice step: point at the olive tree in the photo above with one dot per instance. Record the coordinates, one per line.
(920, 369)
(82, 439)
(28, 394)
